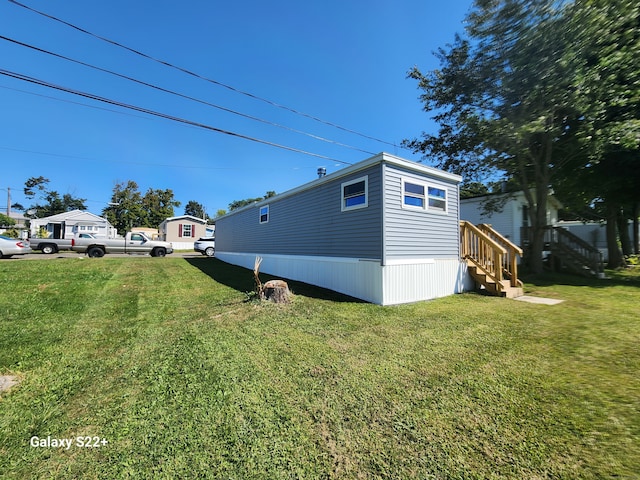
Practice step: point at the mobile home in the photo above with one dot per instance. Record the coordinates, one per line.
(385, 230)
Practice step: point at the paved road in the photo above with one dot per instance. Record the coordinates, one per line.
(42, 256)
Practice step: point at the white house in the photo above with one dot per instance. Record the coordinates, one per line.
(183, 231)
(510, 218)
(68, 224)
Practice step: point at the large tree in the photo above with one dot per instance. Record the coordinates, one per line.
(505, 102)
(158, 205)
(604, 178)
(129, 208)
(195, 209)
(51, 203)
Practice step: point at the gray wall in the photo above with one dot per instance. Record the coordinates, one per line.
(309, 223)
(414, 234)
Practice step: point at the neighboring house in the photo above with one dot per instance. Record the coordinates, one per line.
(385, 230)
(594, 233)
(20, 225)
(152, 233)
(68, 224)
(183, 231)
(510, 217)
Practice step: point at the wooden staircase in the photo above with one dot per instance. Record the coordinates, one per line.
(569, 252)
(491, 260)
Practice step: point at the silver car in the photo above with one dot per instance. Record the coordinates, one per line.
(13, 246)
(205, 245)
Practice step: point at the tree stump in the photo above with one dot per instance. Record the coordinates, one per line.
(276, 291)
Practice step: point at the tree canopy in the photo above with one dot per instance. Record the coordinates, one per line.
(523, 95)
(129, 208)
(52, 202)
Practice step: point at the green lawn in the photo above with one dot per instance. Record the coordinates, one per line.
(167, 361)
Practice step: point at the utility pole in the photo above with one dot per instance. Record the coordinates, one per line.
(8, 201)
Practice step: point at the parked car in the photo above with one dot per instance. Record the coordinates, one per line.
(205, 245)
(13, 246)
(133, 243)
(54, 245)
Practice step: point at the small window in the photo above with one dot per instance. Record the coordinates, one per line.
(264, 214)
(355, 194)
(437, 199)
(187, 230)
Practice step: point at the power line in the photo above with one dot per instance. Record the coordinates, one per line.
(150, 85)
(72, 102)
(144, 164)
(189, 72)
(43, 83)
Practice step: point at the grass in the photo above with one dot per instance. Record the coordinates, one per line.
(167, 361)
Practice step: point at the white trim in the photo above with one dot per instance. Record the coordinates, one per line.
(346, 208)
(413, 181)
(260, 214)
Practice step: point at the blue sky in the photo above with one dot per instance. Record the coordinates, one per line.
(344, 62)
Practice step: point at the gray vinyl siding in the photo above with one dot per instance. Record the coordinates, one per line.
(309, 222)
(419, 234)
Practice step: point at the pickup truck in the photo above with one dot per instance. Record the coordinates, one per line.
(133, 242)
(54, 245)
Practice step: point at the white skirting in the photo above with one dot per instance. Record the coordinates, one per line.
(182, 245)
(403, 281)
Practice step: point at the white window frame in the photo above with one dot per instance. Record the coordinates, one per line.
(444, 210)
(189, 227)
(425, 198)
(260, 214)
(414, 195)
(344, 199)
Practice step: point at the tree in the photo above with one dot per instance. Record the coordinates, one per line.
(236, 204)
(129, 208)
(158, 205)
(195, 209)
(53, 202)
(125, 209)
(506, 101)
(608, 35)
(6, 221)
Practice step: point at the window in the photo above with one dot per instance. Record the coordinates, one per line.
(355, 194)
(437, 199)
(186, 230)
(420, 196)
(264, 214)
(413, 195)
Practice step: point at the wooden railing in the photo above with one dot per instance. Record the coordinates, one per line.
(572, 249)
(510, 259)
(477, 247)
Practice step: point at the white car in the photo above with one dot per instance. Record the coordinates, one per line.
(205, 245)
(13, 246)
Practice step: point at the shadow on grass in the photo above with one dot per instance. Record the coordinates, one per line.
(241, 279)
(628, 278)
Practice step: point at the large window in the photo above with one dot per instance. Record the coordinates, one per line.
(355, 194)
(421, 196)
(264, 214)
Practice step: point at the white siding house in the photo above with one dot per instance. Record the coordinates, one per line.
(510, 218)
(385, 230)
(67, 224)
